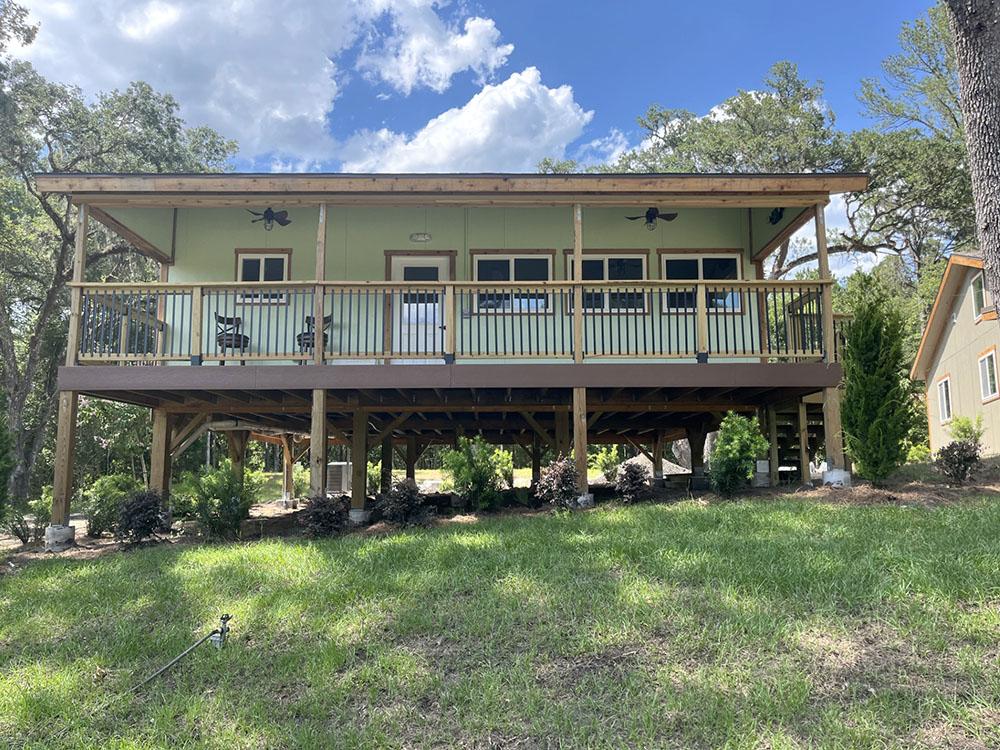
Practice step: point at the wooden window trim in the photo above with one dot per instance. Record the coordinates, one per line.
(262, 252)
(989, 311)
(607, 255)
(988, 353)
(511, 255)
(665, 254)
(452, 256)
(951, 401)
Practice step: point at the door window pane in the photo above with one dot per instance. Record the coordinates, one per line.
(274, 269)
(531, 269)
(420, 273)
(680, 269)
(719, 269)
(624, 268)
(488, 269)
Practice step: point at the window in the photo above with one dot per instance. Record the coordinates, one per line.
(988, 375)
(944, 399)
(613, 268)
(256, 266)
(702, 268)
(531, 269)
(981, 299)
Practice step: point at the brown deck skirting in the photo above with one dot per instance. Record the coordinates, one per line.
(97, 378)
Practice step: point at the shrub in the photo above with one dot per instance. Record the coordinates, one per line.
(965, 430)
(557, 484)
(878, 396)
(373, 477)
(325, 516)
(222, 501)
(632, 483)
(139, 517)
(104, 500)
(403, 504)
(918, 453)
(734, 455)
(300, 480)
(958, 460)
(473, 473)
(607, 460)
(503, 464)
(17, 522)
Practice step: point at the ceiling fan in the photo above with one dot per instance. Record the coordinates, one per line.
(269, 216)
(651, 215)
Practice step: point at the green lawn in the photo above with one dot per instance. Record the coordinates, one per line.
(765, 623)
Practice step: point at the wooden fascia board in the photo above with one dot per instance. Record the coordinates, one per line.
(793, 226)
(144, 246)
(930, 339)
(776, 184)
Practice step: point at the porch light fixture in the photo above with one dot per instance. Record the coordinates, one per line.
(269, 216)
(420, 237)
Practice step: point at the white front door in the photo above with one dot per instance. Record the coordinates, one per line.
(418, 314)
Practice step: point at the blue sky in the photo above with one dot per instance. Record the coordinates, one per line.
(425, 85)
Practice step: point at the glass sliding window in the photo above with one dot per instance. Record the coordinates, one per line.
(710, 268)
(681, 269)
(988, 376)
(944, 399)
(530, 269)
(612, 268)
(721, 269)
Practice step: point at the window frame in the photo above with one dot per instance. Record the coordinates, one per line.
(944, 381)
(263, 298)
(979, 313)
(510, 256)
(605, 256)
(988, 355)
(699, 257)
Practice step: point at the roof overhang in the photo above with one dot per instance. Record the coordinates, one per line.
(243, 189)
(949, 289)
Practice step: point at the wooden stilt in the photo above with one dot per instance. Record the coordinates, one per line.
(696, 439)
(237, 441)
(658, 444)
(359, 461)
(580, 436)
(834, 437)
(288, 469)
(62, 485)
(804, 474)
(385, 477)
(562, 433)
(159, 463)
(536, 459)
(411, 458)
(318, 435)
(772, 438)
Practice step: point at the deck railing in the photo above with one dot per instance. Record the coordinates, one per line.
(369, 322)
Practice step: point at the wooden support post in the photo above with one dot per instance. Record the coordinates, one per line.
(580, 437)
(696, 439)
(774, 458)
(318, 436)
(701, 316)
(804, 475)
(62, 484)
(288, 469)
(385, 477)
(832, 430)
(359, 461)
(833, 433)
(536, 459)
(411, 458)
(578, 339)
(562, 433)
(159, 459)
(237, 441)
(658, 443)
(319, 295)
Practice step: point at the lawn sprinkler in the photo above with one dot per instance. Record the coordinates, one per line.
(218, 636)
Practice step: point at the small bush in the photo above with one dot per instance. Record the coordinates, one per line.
(403, 504)
(17, 521)
(222, 501)
(300, 480)
(503, 464)
(965, 430)
(958, 460)
(557, 484)
(632, 483)
(474, 474)
(373, 477)
(734, 456)
(918, 453)
(104, 500)
(325, 516)
(607, 460)
(139, 517)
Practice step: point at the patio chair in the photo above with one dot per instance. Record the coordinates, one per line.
(229, 336)
(306, 340)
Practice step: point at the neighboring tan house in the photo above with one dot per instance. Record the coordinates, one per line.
(536, 310)
(957, 359)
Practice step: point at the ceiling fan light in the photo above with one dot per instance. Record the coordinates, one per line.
(650, 225)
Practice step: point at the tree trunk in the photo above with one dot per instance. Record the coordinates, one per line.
(975, 25)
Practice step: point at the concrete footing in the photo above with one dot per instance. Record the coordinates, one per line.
(586, 500)
(837, 478)
(59, 537)
(359, 516)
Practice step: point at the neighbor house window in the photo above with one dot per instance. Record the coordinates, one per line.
(612, 268)
(720, 268)
(988, 375)
(530, 269)
(944, 399)
(981, 299)
(256, 266)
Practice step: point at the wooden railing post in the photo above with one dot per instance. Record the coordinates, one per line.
(196, 325)
(449, 323)
(701, 314)
(319, 295)
(578, 287)
(834, 438)
(76, 292)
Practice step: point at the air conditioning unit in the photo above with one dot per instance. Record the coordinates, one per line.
(338, 477)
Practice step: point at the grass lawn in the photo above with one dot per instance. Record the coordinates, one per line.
(762, 623)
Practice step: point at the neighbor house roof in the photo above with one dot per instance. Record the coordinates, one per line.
(235, 189)
(937, 322)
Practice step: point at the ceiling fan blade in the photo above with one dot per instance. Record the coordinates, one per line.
(283, 221)
(255, 213)
(280, 215)
(633, 218)
(668, 217)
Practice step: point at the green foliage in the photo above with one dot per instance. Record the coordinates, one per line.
(27, 521)
(325, 516)
(139, 518)
(965, 429)
(918, 453)
(6, 465)
(958, 460)
(222, 500)
(878, 402)
(373, 477)
(632, 483)
(300, 480)
(558, 483)
(734, 454)
(474, 474)
(503, 464)
(403, 504)
(607, 460)
(104, 499)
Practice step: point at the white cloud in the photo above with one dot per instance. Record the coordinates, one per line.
(425, 51)
(262, 71)
(604, 150)
(509, 126)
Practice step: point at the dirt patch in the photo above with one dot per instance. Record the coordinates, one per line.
(564, 673)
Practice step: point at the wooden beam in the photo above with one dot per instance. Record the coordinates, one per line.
(580, 437)
(781, 237)
(539, 430)
(388, 429)
(658, 444)
(159, 458)
(140, 243)
(639, 447)
(318, 444)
